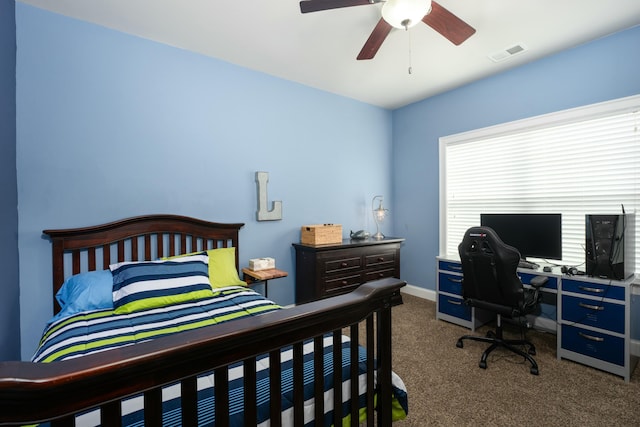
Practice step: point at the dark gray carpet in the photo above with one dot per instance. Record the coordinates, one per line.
(447, 388)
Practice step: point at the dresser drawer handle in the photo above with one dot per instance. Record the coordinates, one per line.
(455, 302)
(594, 290)
(454, 280)
(381, 259)
(345, 282)
(591, 337)
(344, 264)
(591, 307)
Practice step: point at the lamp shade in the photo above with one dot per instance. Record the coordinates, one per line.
(405, 13)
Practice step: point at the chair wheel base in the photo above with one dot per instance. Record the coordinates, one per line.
(459, 344)
(534, 371)
(532, 351)
(482, 364)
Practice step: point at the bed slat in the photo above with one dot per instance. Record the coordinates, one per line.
(111, 414)
(221, 378)
(275, 387)
(250, 379)
(298, 384)
(318, 374)
(189, 401)
(337, 378)
(153, 407)
(354, 373)
(370, 369)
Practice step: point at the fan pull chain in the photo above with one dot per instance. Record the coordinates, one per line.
(410, 70)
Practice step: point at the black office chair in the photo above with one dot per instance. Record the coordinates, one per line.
(490, 282)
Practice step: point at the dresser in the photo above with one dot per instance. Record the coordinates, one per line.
(595, 320)
(327, 270)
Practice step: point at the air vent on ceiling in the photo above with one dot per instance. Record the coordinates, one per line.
(508, 52)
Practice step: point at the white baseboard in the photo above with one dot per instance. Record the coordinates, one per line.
(419, 292)
(634, 347)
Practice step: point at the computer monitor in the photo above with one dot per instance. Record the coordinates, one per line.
(534, 235)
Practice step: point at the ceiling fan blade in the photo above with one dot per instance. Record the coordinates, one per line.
(317, 5)
(373, 43)
(449, 25)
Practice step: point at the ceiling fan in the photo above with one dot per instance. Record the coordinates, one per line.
(400, 14)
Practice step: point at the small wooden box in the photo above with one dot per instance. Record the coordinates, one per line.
(321, 234)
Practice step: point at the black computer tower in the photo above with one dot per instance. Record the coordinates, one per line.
(610, 248)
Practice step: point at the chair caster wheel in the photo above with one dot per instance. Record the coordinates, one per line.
(459, 344)
(491, 334)
(482, 364)
(532, 351)
(534, 371)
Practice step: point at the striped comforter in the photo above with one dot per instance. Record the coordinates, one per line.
(102, 330)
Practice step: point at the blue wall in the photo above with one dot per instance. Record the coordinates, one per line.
(9, 282)
(111, 126)
(605, 69)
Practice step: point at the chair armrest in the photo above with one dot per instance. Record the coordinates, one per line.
(539, 281)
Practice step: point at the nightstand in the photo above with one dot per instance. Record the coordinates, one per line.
(252, 277)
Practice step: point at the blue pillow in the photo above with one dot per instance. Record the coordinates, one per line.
(144, 285)
(85, 291)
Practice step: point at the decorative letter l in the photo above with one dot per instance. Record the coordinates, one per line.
(263, 214)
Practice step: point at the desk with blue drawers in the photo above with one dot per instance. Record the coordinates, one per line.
(594, 319)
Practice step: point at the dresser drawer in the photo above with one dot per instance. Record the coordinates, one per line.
(340, 282)
(593, 344)
(449, 283)
(455, 267)
(379, 274)
(602, 290)
(342, 264)
(380, 259)
(595, 313)
(454, 307)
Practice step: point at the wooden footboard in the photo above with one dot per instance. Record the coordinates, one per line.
(35, 392)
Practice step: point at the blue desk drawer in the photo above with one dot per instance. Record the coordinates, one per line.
(454, 307)
(552, 283)
(602, 290)
(449, 283)
(450, 266)
(596, 313)
(593, 344)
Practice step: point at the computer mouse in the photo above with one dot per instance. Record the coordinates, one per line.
(546, 269)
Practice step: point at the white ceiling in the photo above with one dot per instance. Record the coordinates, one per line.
(319, 49)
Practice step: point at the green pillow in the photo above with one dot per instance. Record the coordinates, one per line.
(222, 268)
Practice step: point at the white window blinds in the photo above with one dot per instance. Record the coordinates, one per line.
(575, 162)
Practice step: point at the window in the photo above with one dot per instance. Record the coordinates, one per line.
(575, 162)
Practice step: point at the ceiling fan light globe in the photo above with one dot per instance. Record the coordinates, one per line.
(405, 14)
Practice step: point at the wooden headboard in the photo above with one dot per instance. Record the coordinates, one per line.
(142, 238)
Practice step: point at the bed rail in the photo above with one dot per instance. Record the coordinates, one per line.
(34, 392)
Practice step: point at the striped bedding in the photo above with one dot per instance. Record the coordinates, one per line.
(102, 330)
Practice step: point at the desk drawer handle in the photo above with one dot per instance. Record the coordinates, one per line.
(591, 337)
(594, 290)
(455, 267)
(455, 302)
(591, 307)
(454, 280)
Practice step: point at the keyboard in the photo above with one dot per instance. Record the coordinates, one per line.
(528, 264)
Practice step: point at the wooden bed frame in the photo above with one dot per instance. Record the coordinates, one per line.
(55, 392)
